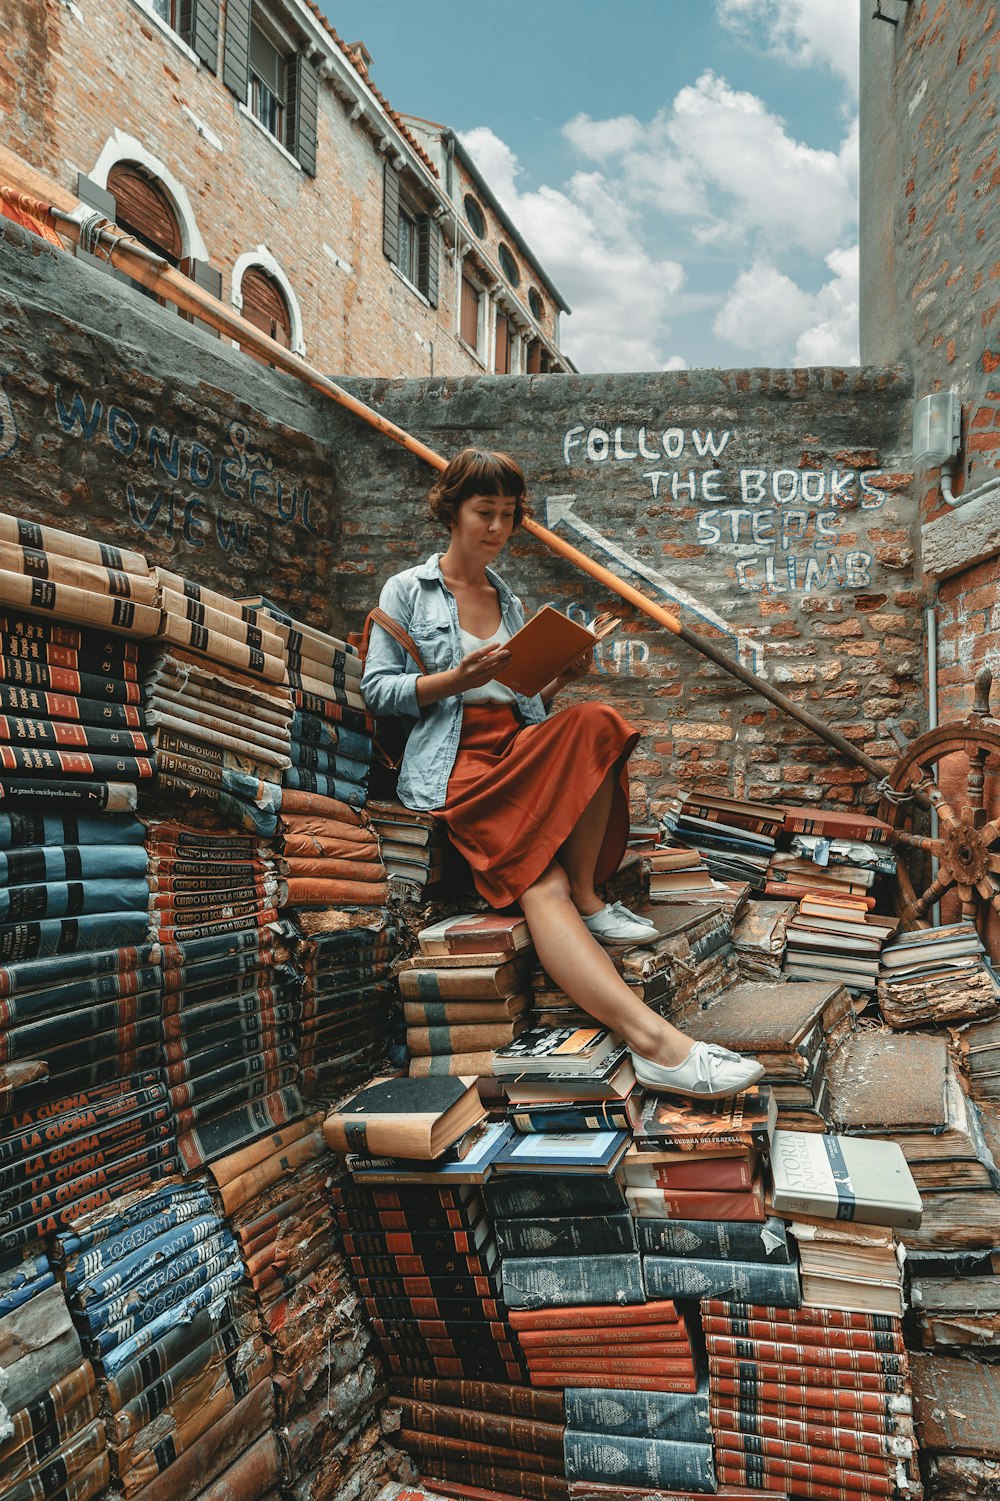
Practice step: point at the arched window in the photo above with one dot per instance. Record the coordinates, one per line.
(264, 305)
(144, 209)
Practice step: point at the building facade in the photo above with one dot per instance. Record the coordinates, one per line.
(246, 142)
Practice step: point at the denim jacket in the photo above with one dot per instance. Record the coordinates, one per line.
(420, 600)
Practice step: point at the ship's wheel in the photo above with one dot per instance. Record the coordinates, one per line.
(966, 846)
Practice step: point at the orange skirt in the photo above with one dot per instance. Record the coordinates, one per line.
(517, 791)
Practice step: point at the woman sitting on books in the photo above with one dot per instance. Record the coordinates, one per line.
(537, 805)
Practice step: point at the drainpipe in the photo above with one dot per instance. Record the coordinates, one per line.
(931, 626)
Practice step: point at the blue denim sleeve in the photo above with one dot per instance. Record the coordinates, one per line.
(389, 682)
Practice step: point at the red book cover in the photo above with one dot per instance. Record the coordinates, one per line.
(808, 1356)
(604, 1314)
(835, 825)
(851, 1402)
(790, 891)
(695, 1204)
(820, 1318)
(484, 1396)
(889, 1342)
(546, 1356)
(758, 1371)
(727, 1174)
(852, 1441)
(615, 1382)
(604, 1365)
(478, 933)
(642, 1334)
(802, 1475)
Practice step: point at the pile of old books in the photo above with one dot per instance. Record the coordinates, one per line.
(467, 993)
(936, 975)
(793, 1029)
(976, 1047)
(183, 1372)
(221, 735)
(957, 1408)
(736, 837)
(642, 1437)
(51, 1431)
(759, 938)
(679, 873)
(346, 996)
(419, 859)
(329, 854)
(837, 937)
(222, 630)
(834, 854)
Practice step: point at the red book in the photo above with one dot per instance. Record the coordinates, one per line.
(728, 1174)
(562, 1339)
(478, 933)
(820, 1318)
(604, 1366)
(542, 1356)
(757, 1371)
(835, 825)
(849, 1402)
(693, 1204)
(852, 1441)
(606, 1314)
(802, 1475)
(808, 1356)
(789, 891)
(615, 1382)
(889, 1342)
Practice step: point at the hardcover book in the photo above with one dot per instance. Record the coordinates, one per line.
(844, 1178)
(716, 1240)
(546, 645)
(555, 1281)
(660, 1463)
(746, 1281)
(562, 1152)
(475, 934)
(697, 1204)
(556, 1050)
(746, 1120)
(680, 1416)
(405, 1117)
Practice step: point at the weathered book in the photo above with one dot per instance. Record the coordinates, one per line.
(36, 1432)
(796, 1378)
(96, 578)
(38, 1347)
(21, 533)
(562, 1153)
(680, 1416)
(743, 1385)
(692, 1204)
(835, 824)
(528, 1198)
(475, 934)
(423, 981)
(526, 1434)
(784, 1326)
(405, 1117)
(453, 1065)
(447, 1014)
(609, 1315)
(112, 797)
(656, 1462)
(595, 1115)
(65, 601)
(844, 1178)
(566, 1235)
(718, 1172)
(468, 1037)
(809, 1356)
(252, 633)
(808, 1432)
(746, 1120)
(556, 1281)
(746, 1281)
(217, 647)
(719, 1240)
(957, 1407)
(776, 1019)
(556, 1050)
(803, 1476)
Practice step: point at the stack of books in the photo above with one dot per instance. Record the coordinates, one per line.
(737, 837)
(956, 1311)
(695, 1186)
(976, 1046)
(650, 1439)
(759, 938)
(792, 1029)
(221, 630)
(480, 1437)
(467, 993)
(419, 859)
(842, 840)
(837, 937)
(792, 877)
(153, 1283)
(610, 1346)
(903, 1087)
(957, 1407)
(815, 1400)
(936, 975)
(50, 1407)
(345, 1004)
(678, 873)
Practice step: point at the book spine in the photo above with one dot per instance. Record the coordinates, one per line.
(807, 1432)
(812, 1356)
(111, 797)
(802, 1475)
(453, 1065)
(671, 1277)
(495, 1479)
(219, 648)
(720, 1240)
(544, 1282)
(606, 1364)
(38, 704)
(471, 1038)
(887, 1342)
(529, 1197)
(682, 1416)
(659, 1463)
(432, 1447)
(217, 1327)
(528, 1435)
(613, 1382)
(734, 1410)
(597, 1234)
(691, 1204)
(608, 1315)
(764, 1373)
(249, 633)
(820, 1318)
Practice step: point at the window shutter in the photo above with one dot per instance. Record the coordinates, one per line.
(236, 53)
(470, 313)
(208, 278)
(303, 108)
(143, 208)
(430, 252)
(198, 24)
(390, 221)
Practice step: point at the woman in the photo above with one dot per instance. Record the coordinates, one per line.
(538, 806)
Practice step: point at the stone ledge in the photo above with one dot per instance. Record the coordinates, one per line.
(962, 538)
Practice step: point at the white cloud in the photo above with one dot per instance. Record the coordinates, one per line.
(676, 362)
(591, 244)
(805, 33)
(767, 313)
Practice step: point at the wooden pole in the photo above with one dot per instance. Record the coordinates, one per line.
(47, 202)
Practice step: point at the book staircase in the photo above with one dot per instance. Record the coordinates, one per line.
(218, 1282)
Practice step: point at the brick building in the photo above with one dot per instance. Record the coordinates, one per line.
(247, 143)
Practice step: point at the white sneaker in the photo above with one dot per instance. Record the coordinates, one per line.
(610, 925)
(624, 911)
(709, 1072)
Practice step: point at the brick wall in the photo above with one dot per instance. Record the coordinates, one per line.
(76, 73)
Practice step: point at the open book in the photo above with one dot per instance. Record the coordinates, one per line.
(546, 645)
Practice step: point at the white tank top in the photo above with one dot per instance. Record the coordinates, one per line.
(489, 693)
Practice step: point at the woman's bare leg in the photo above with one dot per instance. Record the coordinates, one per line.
(578, 853)
(578, 964)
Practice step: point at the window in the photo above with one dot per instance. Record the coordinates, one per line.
(167, 11)
(267, 79)
(474, 215)
(143, 209)
(472, 299)
(411, 239)
(537, 360)
(503, 345)
(265, 307)
(536, 304)
(266, 68)
(195, 22)
(508, 265)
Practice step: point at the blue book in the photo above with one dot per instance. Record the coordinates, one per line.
(563, 1151)
(716, 1240)
(567, 1235)
(562, 1281)
(514, 1197)
(680, 1416)
(472, 1166)
(661, 1464)
(743, 1281)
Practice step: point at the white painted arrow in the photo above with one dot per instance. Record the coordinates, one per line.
(560, 509)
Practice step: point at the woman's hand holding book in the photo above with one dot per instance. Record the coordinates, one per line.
(479, 667)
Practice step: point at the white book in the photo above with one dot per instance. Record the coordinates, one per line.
(843, 1178)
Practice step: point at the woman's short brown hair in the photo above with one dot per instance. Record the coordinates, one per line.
(478, 471)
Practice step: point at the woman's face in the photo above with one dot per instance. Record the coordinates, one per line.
(484, 524)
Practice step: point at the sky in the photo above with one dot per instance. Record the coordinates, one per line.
(684, 170)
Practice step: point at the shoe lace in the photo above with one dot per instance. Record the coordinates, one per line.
(620, 909)
(718, 1051)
